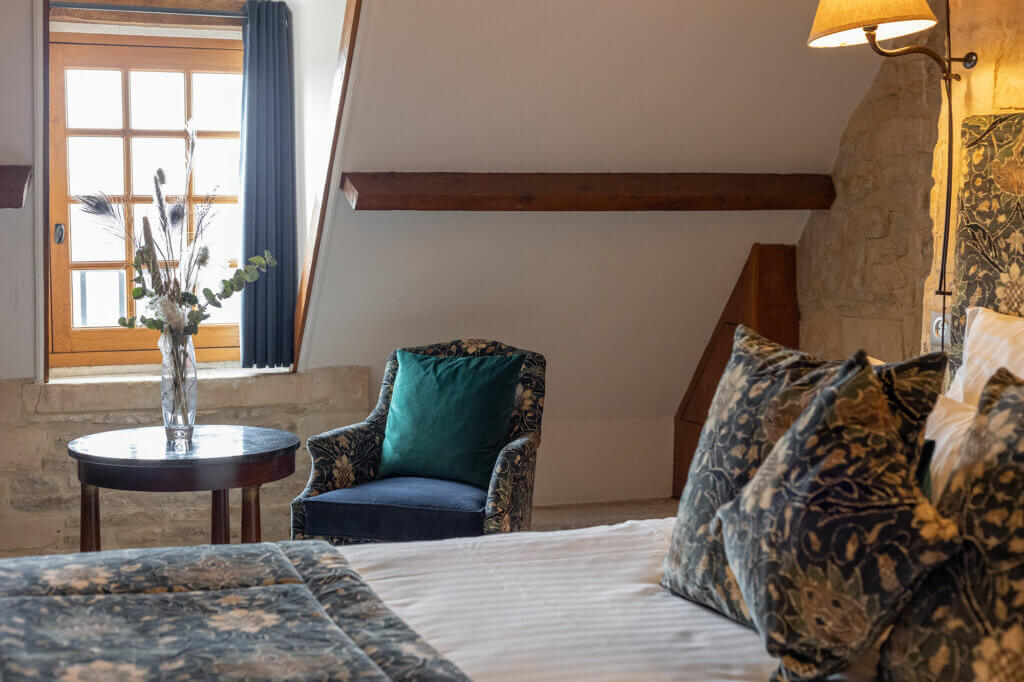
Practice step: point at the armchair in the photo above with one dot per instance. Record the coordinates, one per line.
(408, 508)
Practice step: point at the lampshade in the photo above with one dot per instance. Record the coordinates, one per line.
(841, 22)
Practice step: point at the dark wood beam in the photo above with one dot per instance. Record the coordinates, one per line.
(14, 185)
(96, 16)
(587, 191)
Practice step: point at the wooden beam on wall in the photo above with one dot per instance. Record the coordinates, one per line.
(14, 182)
(587, 191)
(97, 16)
(321, 212)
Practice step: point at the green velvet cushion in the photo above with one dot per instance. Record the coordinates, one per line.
(449, 417)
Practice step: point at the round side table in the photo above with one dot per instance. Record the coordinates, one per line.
(220, 458)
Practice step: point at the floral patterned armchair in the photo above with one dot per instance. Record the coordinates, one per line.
(349, 457)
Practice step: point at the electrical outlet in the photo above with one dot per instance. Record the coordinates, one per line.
(937, 327)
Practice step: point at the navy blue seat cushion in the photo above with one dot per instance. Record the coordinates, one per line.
(397, 509)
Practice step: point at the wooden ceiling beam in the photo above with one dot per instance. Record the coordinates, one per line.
(96, 16)
(586, 191)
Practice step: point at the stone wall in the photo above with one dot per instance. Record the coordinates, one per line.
(868, 268)
(861, 266)
(39, 489)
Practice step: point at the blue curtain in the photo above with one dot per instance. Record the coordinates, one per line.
(268, 199)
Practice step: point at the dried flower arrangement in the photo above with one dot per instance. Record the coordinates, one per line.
(168, 263)
(167, 267)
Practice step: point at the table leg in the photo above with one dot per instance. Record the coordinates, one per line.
(220, 518)
(251, 514)
(89, 536)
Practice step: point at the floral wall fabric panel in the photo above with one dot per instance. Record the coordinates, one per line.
(990, 231)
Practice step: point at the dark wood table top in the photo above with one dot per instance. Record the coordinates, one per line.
(211, 445)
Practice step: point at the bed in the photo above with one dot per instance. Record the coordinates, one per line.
(566, 605)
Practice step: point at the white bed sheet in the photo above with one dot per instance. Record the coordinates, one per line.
(568, 605)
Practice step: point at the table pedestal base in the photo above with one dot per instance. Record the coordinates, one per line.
(89, 540)
(220, 518)
(251, 514)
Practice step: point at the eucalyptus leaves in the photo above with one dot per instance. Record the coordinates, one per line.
(168, 261)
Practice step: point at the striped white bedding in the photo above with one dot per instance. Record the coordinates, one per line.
(568, 605)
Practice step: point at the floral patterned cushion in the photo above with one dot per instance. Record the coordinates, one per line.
(763, 390)
(966, 622)
(832, 535)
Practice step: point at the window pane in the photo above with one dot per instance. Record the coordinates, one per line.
(171, 252)
(93, 238)
(230, 311)
(96, 164)
(97, 297)
(216, 170)
(93, 98)
(217, 101)
(222, 232)
(157, 100)
(151, 153)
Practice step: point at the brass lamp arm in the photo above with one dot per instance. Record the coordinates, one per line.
(969, 60)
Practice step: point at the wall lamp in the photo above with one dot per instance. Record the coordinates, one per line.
(839, 23)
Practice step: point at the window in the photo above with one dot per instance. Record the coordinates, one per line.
(117, 113)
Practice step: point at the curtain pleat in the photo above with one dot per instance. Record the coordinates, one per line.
(269, 191)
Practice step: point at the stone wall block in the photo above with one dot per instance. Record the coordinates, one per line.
(31, 534)
(344, 387)
(11, 405)
(66, 502)
(165, 535)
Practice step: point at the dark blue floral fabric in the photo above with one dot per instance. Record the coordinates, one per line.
(763, 390)
(253, 612)
(830, 538)
(350, 456)
(966, 622)
(355, 607)
(161, 569)
(989, 240)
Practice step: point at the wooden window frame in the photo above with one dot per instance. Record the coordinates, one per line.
(68, 347)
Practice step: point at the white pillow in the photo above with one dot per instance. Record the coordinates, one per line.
(991, 340)
(947, 425)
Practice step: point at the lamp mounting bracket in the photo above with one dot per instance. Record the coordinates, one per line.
(969, 60)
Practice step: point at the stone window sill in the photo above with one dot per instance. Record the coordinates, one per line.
(343, 388)
(151, 373)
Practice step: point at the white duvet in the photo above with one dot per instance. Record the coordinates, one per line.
(568, 605)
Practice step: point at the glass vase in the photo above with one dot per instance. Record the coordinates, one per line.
(178, 388)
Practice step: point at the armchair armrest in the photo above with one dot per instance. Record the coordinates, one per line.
(342, 458)
(510, 495)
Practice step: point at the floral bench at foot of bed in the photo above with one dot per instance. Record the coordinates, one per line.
(294, 610)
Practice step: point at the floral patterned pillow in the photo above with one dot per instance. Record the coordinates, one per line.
(763, 390)
(832, 535)
(966, 622)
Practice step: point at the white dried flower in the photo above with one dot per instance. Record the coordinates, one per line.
(173, 314)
